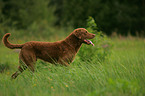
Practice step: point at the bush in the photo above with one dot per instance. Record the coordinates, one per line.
(102, 45)
(22, 13)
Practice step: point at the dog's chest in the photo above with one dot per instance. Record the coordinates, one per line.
(68, 54)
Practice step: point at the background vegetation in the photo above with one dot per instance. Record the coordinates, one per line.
(121, 16)
(113, 67)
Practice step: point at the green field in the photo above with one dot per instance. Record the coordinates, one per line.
(122, 74)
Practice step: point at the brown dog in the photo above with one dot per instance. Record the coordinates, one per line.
(62, 52)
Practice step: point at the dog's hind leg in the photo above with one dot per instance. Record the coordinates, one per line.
(29, 58)
(20, 70)
(26, 60)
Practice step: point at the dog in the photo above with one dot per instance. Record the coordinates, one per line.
(60, 52)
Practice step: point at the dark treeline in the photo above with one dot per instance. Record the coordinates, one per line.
(121, 16)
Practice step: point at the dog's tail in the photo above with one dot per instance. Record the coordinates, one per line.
(8, 44)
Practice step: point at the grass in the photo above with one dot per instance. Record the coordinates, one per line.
(122, 74)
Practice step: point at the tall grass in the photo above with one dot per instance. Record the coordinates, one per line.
(122, 74)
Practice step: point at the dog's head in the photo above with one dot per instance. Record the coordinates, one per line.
(84, 35)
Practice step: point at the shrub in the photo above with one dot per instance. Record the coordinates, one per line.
(102, 45)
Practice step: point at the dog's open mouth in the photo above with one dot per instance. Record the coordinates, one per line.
(88, 42)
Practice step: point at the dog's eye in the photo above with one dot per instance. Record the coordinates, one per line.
(86, 31)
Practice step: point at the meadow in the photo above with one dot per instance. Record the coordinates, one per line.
(121, 74)
(115, 66)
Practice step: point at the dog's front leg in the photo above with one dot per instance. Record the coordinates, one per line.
(63, 62)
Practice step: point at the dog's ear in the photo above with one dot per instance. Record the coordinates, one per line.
(77, 33)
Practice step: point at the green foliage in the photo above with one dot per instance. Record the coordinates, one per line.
(113, 15)
(27, 17)
(102, 44)
(23, 13)
(35, 32)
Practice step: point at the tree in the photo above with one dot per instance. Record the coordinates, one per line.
(121, 16)
(22, 13)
